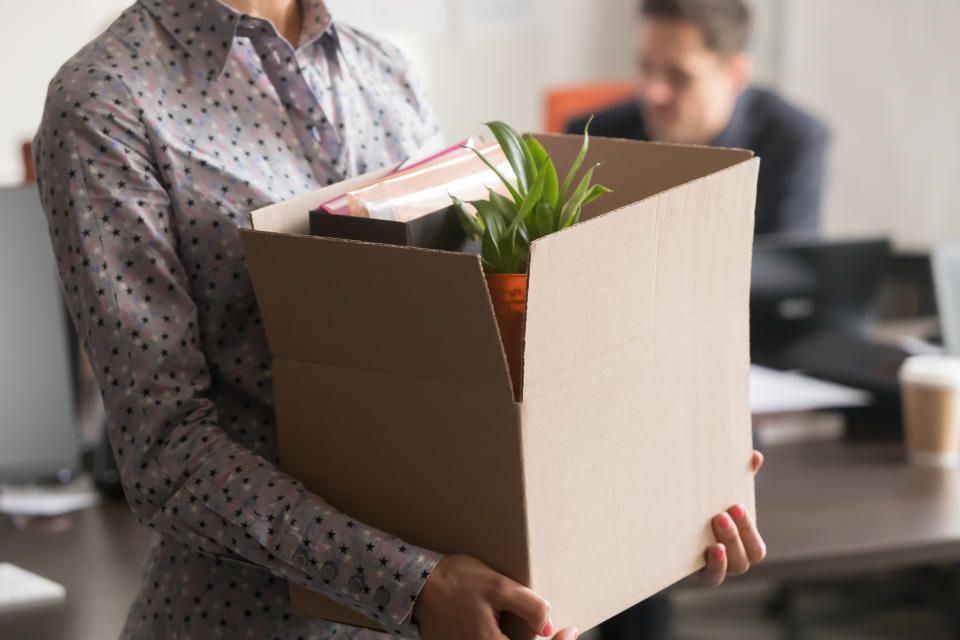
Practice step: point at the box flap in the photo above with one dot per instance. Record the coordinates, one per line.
(433, 462)
(637, 170)
(399, 310)
(643, 359)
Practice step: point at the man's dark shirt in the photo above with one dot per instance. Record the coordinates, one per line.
(791, 145)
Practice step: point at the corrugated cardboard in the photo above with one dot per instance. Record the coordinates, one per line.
(634, 429)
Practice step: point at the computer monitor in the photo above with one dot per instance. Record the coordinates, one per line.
(803, 286)
(38, 427)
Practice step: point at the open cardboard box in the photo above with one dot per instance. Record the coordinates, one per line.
(597, 488)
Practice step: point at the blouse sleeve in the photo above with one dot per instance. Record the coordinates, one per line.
(129, 297)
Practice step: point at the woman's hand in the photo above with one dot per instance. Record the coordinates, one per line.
(738, 541)
(463, 599)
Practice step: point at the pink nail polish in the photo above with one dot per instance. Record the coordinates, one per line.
(725, 522)
(738, 512)
(719, 554)
(548, 630)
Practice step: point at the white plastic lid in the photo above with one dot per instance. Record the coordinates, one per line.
(931, 370)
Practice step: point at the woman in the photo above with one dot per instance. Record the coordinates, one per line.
(158, 139)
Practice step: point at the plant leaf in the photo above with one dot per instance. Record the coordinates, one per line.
(518, 155)
(515, 252)
(533, 197)
(537, 151)
(541, 220)
(523, 232)
(500, 213)
(521, 258)
(551, 188)
(491, 248)
(491, 218)
(571, 209)
(510, 187)
(579, 160)
(573, 218)
(507, 207)
(508, 211)
(492, 260)
(509, 250)
(595, 192)
(472, 225)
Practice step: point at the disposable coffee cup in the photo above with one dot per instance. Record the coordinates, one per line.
(930, 387)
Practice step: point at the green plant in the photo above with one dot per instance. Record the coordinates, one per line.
(540, 205)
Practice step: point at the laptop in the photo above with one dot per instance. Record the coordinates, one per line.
(945, 261)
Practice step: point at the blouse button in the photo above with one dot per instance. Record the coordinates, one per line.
(356, 584)
(328, 571)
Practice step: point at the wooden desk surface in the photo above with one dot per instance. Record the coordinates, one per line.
(97, 559)
(828, 509)
(825, 509)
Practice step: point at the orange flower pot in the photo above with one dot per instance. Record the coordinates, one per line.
(508, 292)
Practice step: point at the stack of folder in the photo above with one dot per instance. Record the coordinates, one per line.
(412, 206)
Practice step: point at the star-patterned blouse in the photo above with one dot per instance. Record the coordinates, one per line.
(158, 139)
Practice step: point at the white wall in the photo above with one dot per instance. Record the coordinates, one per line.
(495, 59)
(886, 76)
(883, 73)
(766, 41)
(502, 67)
(480, 59)
(39, 36)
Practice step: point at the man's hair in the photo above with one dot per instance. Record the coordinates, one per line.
(725, 24)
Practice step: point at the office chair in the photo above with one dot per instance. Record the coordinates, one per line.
(563, 104)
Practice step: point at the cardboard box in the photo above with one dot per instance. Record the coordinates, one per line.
(597, 488)
(437, 230)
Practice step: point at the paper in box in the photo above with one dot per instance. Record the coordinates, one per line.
(633, 429)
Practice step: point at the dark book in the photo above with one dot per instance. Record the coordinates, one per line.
(438, 230)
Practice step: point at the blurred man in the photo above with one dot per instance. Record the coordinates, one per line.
(692, 87)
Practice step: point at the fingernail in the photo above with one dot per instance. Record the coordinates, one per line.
(724, 521)
(548, 630)
(719, 554)
(738, 512)
(576, 634)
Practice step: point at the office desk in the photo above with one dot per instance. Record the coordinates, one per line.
(826, 509)
(97, 559)
(832, 509)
